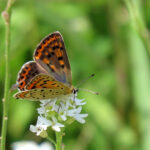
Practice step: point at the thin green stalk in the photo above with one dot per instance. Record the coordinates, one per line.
(6, 15)
(51, 140)
(58, 140)
(138, 22)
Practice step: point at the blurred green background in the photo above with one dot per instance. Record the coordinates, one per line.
(108, 38)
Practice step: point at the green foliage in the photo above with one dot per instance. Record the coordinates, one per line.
(108, 38)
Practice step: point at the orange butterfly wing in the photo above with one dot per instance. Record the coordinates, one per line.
(45, 81)
(43, 87)
(27, 72)
(51, 55)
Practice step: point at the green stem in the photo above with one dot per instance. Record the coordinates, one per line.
(6, 15)
(58, 140)
(51, 140)
(138, 22)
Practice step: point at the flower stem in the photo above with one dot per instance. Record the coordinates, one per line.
(6, 15)
(51, 140)
(58, 140)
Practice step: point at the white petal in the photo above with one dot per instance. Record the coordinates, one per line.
(78, 110)
(44, 102)
(40, 129)
(33, 128)
(80, 117)
(53, 102)
(63, 117)
(57, 127)
(71, 112)
(41, 110)
(43, 121)
(55, 108)
(59, 124)
(79, 102)
(81, 120)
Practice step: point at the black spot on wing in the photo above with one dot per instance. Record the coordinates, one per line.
(52, 53)
(57, 47)
(53, 48)
(62, 66)
(60, 58)
(42, 57)
(49, 55)
(61, 48)
(39, 47)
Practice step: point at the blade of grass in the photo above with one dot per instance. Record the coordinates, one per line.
(140, 74)
(138, 22)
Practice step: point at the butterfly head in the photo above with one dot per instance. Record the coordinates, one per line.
(75, 91)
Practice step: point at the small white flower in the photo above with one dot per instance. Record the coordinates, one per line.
(79, 117)
(75, 113)
(72, 112)
(42, 125)
(55, 112)
(41, 110)
(38, 129)
(43, 121)
(56, 125)
(63, 111)
(63, 116)
(79, 102)
(55, 107)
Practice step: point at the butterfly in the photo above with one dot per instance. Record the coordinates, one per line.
(49, 75)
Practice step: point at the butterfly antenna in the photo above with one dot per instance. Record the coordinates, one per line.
(96, 93)
(92, 75)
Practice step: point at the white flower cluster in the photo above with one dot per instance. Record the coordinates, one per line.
(57, 113)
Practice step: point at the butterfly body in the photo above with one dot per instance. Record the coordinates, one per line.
(49, 75)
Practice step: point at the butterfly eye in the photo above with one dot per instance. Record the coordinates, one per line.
(75, 91)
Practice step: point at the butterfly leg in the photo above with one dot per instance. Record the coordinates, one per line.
(47, 103)
(59, 108)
